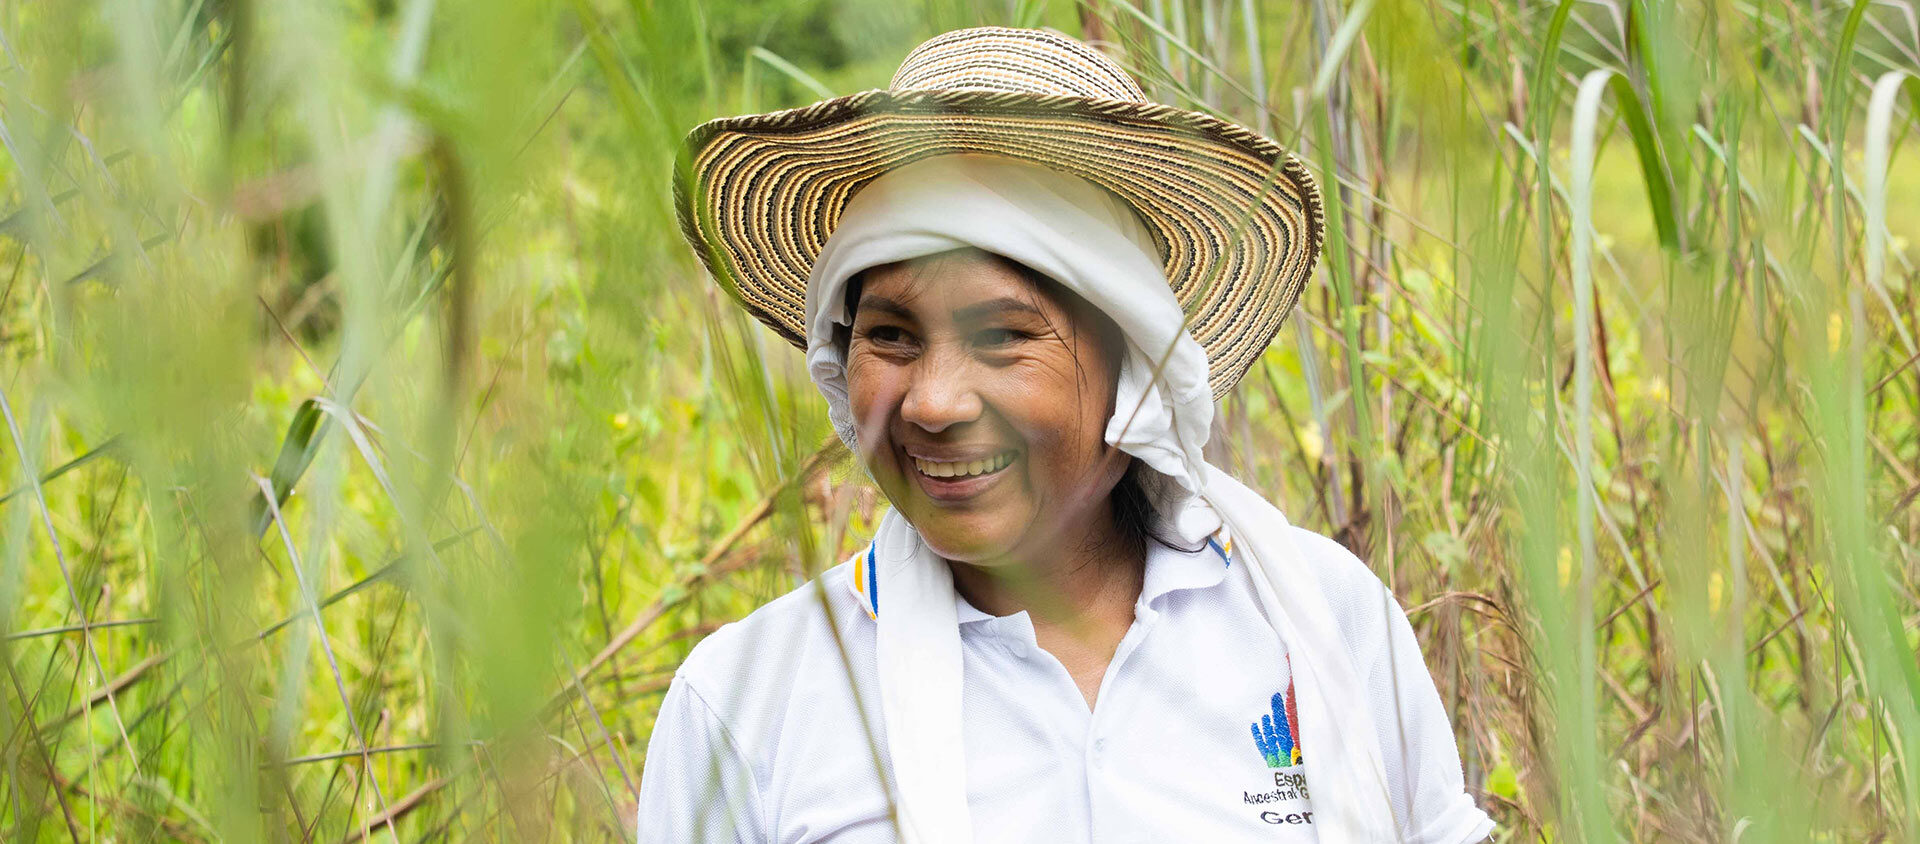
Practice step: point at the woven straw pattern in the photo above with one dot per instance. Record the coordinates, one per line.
(1237, 219)
(1033, 61)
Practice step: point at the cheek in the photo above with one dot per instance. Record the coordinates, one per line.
(1061, 408)
(872, 388)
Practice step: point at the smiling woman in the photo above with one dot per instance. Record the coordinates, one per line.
(980, 392)
(1069, 627)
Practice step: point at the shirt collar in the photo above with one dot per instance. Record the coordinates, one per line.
(1173, 569)
(1014, 632)
(967, 612)
(1168, 570)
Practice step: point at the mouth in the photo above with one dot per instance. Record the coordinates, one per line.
(963, 479)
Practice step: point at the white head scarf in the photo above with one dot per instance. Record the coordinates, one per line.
(1091, 243)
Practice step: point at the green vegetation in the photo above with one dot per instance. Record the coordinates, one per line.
(374, 448)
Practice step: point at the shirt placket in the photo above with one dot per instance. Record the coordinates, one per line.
(1057, 704)
(1108, 818)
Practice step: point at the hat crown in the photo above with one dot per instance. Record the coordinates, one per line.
(1026, 61)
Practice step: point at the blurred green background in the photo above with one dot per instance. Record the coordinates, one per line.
(375, 448)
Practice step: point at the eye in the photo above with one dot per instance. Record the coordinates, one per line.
(995, 337)
(887, 334)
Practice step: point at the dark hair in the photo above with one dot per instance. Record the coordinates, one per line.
(1130, 502)
(1133, 514)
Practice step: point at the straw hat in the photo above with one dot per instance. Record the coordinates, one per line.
(1236, 218)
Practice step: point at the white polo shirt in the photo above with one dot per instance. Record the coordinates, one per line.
(771, 730)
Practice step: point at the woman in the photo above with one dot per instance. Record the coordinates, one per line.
(1020, 287)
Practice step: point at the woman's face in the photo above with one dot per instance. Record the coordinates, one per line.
(980, 400)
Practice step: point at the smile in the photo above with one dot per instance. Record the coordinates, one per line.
(965, 469)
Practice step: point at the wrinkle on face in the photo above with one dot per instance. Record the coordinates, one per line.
(964, 350)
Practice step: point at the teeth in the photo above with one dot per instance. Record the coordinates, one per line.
(964, 468)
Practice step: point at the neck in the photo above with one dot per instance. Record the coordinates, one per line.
(1087, 573)
(1079, 592)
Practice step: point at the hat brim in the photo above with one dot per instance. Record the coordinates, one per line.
(1237, 219)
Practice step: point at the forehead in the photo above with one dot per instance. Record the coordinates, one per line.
(959, 278)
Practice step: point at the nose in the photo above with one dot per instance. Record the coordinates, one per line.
(942, 393)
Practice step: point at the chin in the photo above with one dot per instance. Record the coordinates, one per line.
(963, 540)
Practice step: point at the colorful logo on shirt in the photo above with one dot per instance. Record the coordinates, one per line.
(1277, 733)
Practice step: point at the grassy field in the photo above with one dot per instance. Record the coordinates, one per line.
(375, 449)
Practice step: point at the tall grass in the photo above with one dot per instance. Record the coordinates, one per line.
(374, 449)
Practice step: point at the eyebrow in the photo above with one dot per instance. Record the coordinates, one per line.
(1002, 304)
(885, 305)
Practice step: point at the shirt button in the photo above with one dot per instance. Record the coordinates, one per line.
(1099, 746)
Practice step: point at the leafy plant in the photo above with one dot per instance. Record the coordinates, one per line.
(375, 448)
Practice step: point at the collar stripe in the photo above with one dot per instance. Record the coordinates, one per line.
(866, 578)
(873, 586)
(1225, 551)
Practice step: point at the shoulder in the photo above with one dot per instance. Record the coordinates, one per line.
(783, 628)
(806, 642)
(1341, 573)
(1362, 605)
(1341, 576)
